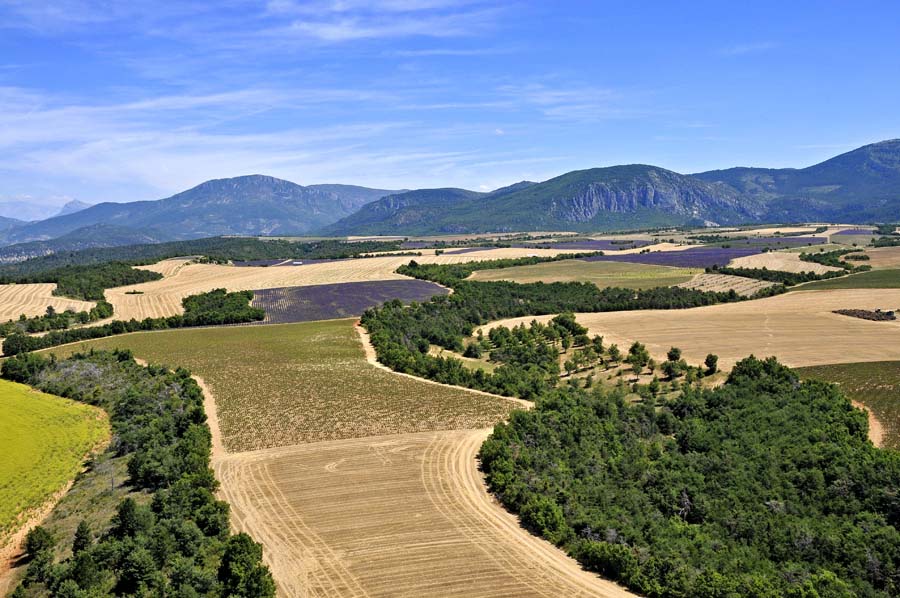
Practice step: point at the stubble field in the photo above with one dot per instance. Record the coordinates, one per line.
(722, 283)
(781, 260)
(798, 328)
(33, 299)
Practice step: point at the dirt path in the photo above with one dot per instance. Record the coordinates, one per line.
(212, 414)
(876, 430)
(372, 358)
(399, 515)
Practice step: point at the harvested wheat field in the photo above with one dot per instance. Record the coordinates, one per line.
(33, 299)
(884, 257)
(287, 384)
(798, 328)
(160, 298)
(402, 515)
(723, 283)
(783, 261)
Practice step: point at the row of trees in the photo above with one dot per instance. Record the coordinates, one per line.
(54, 320)
(833, 259)
(784, 279)
(204, 309)
(764, 487)
(177, 544)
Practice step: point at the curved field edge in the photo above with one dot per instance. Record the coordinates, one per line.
(393, 515)
(874, 385)
(602, 274)
(287, 384)
(45, 442)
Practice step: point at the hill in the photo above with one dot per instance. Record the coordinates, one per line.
(87, 237)
(247, 205)
(598, 198)
(858, 186)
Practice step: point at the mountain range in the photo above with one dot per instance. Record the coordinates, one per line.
(862, 185)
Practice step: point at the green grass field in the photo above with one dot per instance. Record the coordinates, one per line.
(876, 385)
(45, 439)
(287, 384)
(602, 274)
(873, 279)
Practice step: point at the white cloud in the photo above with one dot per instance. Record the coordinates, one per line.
(748, 48)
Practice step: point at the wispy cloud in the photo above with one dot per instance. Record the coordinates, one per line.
(748, 48)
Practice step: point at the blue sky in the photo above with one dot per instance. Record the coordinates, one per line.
(125, 100)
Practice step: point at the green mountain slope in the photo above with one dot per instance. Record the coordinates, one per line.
(247, 205)
(595, 199)
(95, 235)
(858, 186)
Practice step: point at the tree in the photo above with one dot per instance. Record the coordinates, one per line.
(674, 354)
(38, 540)
(83, 537)
(242, 573)
(654, 386)
(712, 363)
(569, 367)
(636, 367)
(614, 354)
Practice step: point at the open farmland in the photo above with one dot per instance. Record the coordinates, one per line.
(332, 301)
(689, 257)
(293, 383)
(403, 515)
(798, 328)
(875, 385)
(884, 257)
(33, 299)
(45, 441)
(783, 261)
(163, 297)
(602, 274)
(722, 283)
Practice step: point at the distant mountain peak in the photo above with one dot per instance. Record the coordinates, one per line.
(71, 207)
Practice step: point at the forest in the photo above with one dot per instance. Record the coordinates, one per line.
(84, 282)
(178, 542)
(711, 494)
(205, 309)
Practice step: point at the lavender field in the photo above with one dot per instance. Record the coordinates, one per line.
(856, 231)
(699, 257)
(343, 300)
(590, 245)
(776, 242)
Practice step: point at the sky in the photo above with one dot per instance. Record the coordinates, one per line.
(130, 100)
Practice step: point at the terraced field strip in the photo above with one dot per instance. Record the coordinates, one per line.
(798, 328)
(400, 515)
(781, 260)
(602, 274)
(33, 299)
(162, 298)
(286, 384)
(725, 282)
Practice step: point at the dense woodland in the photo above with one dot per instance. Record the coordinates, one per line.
(205, 309)
(713, 494)
(176, 544)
